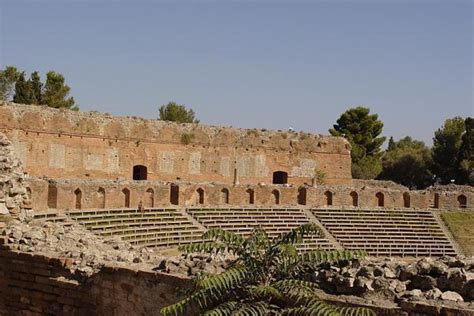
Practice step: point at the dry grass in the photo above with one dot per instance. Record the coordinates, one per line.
(461, 225)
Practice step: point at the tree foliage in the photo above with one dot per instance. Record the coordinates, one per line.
(446, 149)
(466, 153)
(56, 92)
(362, 130)
(177, 113)
(265, 279)
(24, 92)
(8, 77)
(407, 162)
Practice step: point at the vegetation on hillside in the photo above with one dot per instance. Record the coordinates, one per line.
(265, 279)
(460, 224)
(174, 112)
(408, 161)
(54, 92)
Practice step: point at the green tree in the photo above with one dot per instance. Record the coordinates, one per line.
(407, 162)
(37, 86)
(466, 154)
(55, 93)
(446, 145)
(8, 77)
(177, 113)
(265, 279)
(24, 92)
(362, 130)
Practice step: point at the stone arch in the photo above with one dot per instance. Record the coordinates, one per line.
(150, 197)
(328, 195)
(78, 198)
(225, 196)
(52, 196)
(174, 194)
(140, 172)
(276, 197)
(251, 196)
(280, 177)
(126, 197)
(101, 197)
(380, 199)
(436, 200)
(462, 201)
(302, 195)
(355, 198)
(200, 196)
(406, 199)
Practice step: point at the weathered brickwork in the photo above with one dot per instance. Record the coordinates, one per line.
(67, 144)
(92, 194)
(33, 284)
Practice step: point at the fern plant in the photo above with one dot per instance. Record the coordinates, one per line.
(265, 279)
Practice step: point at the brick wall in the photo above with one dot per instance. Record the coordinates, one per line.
(32, 284)
(110, 194)
(68, 144)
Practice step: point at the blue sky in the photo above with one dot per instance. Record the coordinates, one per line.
(266, 64)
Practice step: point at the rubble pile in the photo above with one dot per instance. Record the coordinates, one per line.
(14, 199)
(445, 279)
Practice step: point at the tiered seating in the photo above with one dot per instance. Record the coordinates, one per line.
(384, 232)
(243, 221)
(51, 216)
(153, 227)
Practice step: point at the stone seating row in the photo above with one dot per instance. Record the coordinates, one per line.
(243, 223)
(153, 227)
(416, 234)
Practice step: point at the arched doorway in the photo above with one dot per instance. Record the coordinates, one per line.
(174, 194)
(380, 199)
(251, 196)
(328, 195)
(126, 197)
(355, 198)
(302, 192)
(462, 200)
(150, 198)
(225, 196)
(52, 196)
(280, 177)
(276, 197)
(406, 199)
(101, 197)
(140, 172)
(78, 197)
(200, 196)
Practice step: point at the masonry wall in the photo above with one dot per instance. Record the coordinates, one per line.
(91, 194)
(91, 145)
(32, 284)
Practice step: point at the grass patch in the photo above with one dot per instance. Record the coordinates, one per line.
(461, 226)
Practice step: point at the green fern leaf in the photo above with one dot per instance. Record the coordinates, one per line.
(319, 256)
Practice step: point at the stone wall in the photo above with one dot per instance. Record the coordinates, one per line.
(14, 197)
(33, 284)
(91, 194)
(68, 144)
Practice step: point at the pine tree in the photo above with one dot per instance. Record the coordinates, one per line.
(362, 130)
(466, 154)
(55, 93)
(37, 86)
(8, 77)
(446, 145)
(24, 93)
